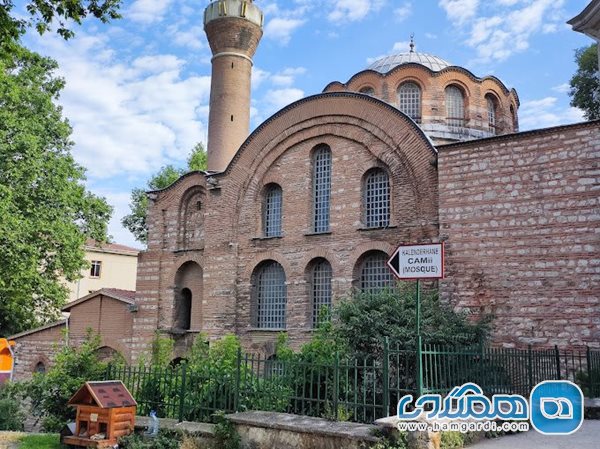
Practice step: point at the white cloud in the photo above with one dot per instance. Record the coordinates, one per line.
(403, 12)
(460, 11)
(545, 112)
(148, 11)
(281, 29)
(401, 47)
(562, 88)
(128, 117)
(496, 30)
(287, 76)
(279, 98)
(353, 10)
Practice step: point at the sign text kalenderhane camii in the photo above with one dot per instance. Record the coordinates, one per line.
(418, 261)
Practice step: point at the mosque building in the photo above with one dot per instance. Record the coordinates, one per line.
(307, 207)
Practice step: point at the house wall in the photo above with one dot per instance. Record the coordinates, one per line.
(521, 217)
(118, 271)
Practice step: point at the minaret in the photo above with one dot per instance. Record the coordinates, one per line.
(233, 28)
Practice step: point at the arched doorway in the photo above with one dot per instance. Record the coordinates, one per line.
(187, 307)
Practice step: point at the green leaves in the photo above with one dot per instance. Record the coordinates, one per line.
(47, 214)
(585, 84)
(48, 14)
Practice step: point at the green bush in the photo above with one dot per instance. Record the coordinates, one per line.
(11, 416)
(50, 392)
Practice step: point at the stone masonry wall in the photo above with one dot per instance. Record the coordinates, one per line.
(521, 219)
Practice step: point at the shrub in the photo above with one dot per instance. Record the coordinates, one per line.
(166, 439)
(11, 416)
(50, 392)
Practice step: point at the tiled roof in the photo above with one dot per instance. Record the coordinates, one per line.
(110, 247)
(126, 296)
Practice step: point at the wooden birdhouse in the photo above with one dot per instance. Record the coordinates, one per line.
(105, 412)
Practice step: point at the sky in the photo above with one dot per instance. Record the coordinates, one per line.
(137, 89)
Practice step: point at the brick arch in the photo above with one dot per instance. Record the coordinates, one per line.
(198, 258)
(315, 132)
(41, 358)
(263, 257)
(379, 127)
(320, 253)
(358, 258)
(364, 248)
(188, 216)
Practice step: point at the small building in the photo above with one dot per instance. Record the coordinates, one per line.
(105, 412)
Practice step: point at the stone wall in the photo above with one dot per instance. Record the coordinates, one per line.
(521, 218)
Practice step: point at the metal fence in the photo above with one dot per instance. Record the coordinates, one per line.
(350, 389)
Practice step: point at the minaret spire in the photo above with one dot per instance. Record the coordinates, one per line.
(233, 28)
(412, 42)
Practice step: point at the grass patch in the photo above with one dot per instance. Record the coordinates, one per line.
(50, 441)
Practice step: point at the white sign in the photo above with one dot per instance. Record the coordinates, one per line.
(418, 261)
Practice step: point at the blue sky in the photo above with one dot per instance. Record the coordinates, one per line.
(137, 89)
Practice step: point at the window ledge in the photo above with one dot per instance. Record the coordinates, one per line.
(264, 329)
(273, 237)
(317, 233)
(378, 228)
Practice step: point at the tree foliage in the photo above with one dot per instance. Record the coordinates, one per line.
(135, 222)
(43, 14)
(363, 320)
(585, 84)
(47, 214)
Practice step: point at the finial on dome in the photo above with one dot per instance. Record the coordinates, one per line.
(412, 42)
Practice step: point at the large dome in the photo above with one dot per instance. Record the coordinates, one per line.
(384, 65)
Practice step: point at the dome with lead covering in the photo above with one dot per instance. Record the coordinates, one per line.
(387, 63)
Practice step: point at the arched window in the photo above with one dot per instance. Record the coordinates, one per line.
(377, 199)
(40, 368)
(272, 207)
(188, 294)
(320, 284)
(270, 296)
(375, 275)
(409, 100)
(491, 113)
(321, 188)
(367, 90)
(455, 106)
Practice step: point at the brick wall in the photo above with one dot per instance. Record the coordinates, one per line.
(521, 219)
(362, 133)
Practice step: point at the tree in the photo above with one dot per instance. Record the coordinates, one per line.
(47, 214)
(45, 13)
(363, 320)
(135, 222)
(585, 84)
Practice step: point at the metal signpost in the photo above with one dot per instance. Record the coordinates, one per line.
(416, 262)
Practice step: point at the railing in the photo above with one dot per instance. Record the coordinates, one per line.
(350, 389)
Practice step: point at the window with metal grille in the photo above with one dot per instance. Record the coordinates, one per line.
(272, 211)
(96, 268)
(377, 199)
(409, 100)
(455, 106)
(491, 110)
(321, 188)
(375, 275)
(321, 290)
(270, 296)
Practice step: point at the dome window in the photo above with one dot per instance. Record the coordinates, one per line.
(455, 107)
(409, 100)
(367, 90)
(491, 114)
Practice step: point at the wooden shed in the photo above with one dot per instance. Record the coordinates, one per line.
(105, 412)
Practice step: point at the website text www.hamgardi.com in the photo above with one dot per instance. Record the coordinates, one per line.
(486, 426)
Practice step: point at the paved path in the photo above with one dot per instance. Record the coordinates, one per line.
(587, 437)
